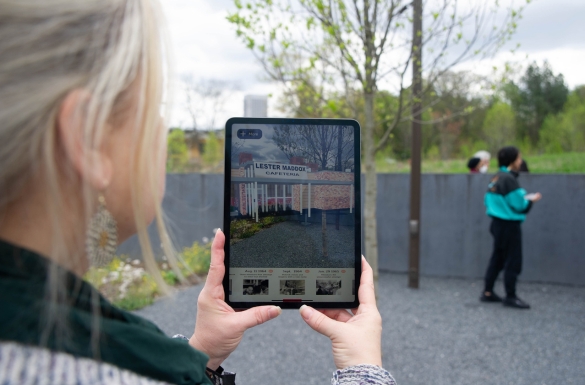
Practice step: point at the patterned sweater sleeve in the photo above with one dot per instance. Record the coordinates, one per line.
(362, 375)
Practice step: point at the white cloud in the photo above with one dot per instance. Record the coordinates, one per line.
(205, 45)
(565, 60)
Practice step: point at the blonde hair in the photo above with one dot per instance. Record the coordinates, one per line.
(108, 48)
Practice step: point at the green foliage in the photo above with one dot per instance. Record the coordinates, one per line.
(245, 228)
(140, 293)
(467, 148)
(127, 285)
(572, 162)
(170, 277)
(177, 153)
(212, 150)
(499, 126)
(134, 302)
(539, 93)
(433, 153)
(196, 259)
(568, 162)
(565, 132)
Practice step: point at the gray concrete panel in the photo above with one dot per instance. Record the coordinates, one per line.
(193, 205)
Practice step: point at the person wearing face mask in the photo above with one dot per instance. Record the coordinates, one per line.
(507, 204)
(484, 161)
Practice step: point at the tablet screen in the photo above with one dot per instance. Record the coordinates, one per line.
(292, 216)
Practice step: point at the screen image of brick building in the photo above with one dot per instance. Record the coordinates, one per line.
(260, 188)
(299, 195)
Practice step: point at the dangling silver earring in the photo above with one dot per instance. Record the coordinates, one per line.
(102, 236)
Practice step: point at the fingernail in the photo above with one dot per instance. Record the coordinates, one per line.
(306, 311)
(275, 311)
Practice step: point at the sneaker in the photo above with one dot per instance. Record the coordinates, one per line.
(516, 303)
(490, 297)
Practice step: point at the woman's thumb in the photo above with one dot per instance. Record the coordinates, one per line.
(318, 321)
(258, 315)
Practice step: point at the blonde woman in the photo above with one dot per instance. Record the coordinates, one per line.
(82, 167)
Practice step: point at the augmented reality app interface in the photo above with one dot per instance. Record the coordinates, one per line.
(292, 213)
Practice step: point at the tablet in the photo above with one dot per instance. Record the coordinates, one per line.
(292, 212)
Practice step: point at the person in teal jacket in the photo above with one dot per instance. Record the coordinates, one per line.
(507, 204)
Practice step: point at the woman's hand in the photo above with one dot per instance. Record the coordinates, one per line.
(219, 329)
(355, 339)
(536, 197)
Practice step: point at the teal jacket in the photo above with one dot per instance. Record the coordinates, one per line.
(505, 198)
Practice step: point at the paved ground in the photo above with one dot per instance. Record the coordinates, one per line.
(439, 334)
(296, 246)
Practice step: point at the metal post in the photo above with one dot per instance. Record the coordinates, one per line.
(256, 199)
(414, 223)
(250, 194)
(301, 199)
(309, 208)
(247, 195)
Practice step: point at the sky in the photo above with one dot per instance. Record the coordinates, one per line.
(263, 149)
(205, 46)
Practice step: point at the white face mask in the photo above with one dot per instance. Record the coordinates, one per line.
(483, 169)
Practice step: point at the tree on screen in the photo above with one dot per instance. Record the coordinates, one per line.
(329, 147)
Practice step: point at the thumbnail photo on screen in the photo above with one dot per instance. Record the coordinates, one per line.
(292, 195)
(255, 287)
(328, 287)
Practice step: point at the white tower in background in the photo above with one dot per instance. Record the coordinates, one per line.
(255, 106)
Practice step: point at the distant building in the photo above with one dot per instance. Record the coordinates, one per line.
(255, 106)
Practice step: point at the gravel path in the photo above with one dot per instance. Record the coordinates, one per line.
(439, 334)
(291, 244)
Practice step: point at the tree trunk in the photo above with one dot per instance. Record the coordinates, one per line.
(371, 188)
(324, 232)
(339, 148)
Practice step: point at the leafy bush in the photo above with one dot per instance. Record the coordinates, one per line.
(565, 131)
(245, 228)
(499, 126)
(177, 152)
(196, 259)
(127, 285)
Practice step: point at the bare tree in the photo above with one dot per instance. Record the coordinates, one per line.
(331, 147)
(205, 99)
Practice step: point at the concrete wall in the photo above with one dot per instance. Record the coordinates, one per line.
(193, 205)
(455, 239)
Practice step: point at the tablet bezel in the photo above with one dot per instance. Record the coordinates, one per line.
(357, 209)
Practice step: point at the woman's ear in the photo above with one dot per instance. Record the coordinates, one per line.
(89, 160)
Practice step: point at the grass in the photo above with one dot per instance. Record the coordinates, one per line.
(127, 285)
(570, 162)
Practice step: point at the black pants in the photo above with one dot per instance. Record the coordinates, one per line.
(507, 255)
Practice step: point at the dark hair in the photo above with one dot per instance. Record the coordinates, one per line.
(472, 163)
(507, 156)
